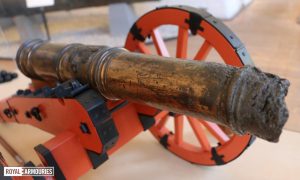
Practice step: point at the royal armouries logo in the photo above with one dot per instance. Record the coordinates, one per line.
(28, 171)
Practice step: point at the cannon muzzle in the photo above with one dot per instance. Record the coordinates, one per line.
(244, 99)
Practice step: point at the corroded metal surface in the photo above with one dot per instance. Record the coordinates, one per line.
(244, 99)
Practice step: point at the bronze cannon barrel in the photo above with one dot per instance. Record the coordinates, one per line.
(245, 99)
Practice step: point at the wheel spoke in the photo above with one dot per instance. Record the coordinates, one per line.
(178, 129)
(203, 51)
(161, 115)
(182, 43)
(216, 131)
(159, 43)
(200, 134)
(143, 48)
(162, 122)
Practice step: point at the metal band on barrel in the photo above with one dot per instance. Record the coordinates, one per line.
(100, 73)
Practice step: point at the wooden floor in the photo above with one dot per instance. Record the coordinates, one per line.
(269, 30)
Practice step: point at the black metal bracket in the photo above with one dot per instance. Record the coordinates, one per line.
(100, 115)
(43, 151)
(7, 76)
(146, 121)
(136, 32)
(164, 141)
(217, 157)
(97, 159)
(194, 23)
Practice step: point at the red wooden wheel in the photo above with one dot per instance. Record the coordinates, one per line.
(216, 35)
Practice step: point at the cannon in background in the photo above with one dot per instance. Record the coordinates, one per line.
(28, 20)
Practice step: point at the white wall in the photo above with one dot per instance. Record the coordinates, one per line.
(223, 9)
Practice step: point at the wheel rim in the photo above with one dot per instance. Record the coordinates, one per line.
(216, 35)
